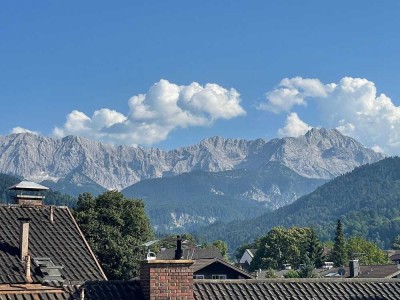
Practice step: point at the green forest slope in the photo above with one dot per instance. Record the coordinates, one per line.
(218, 195)
(367, 200)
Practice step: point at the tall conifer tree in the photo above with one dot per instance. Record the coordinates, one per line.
(339, 254)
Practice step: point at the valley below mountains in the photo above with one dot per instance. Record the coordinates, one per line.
(216, 180)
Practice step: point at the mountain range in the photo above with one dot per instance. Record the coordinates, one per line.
(228, 178)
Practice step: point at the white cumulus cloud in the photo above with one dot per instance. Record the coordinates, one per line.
(152, 116)
(22, 130)
(294, 127)
(352, 105)
(294, 91)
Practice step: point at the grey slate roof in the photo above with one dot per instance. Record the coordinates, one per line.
(297, 289)
(194, 254)
(61, 240)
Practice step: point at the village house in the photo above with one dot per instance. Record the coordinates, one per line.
(208, 263)
(246, 258)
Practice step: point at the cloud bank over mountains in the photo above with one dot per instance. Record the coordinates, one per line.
(18, 129)
(152, 116)
(352, 106)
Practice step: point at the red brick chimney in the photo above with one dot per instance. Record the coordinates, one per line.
(167, 279)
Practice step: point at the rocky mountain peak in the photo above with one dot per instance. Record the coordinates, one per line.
(320, 153)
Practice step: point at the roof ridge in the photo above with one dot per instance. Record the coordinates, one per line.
(87, 244)
(301, 280)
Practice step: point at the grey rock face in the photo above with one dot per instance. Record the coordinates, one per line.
(320, 153)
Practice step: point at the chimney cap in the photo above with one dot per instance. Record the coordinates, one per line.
(28, 185)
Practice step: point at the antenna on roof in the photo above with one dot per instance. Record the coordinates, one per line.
(178, 250)
(150, 255)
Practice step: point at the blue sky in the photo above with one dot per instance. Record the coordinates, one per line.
(170, 73)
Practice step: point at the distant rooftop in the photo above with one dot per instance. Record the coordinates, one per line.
(28, 185)
(196, 253)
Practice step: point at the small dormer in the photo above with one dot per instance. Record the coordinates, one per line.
(28, 193)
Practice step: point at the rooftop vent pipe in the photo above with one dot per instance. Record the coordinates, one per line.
(28, 277)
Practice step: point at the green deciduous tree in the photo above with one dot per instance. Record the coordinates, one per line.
(368, 253)
(270, 273)
(222, 247)
(286, 246)
(115, 227)
(291, 274)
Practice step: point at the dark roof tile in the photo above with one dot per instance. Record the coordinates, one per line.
(60, 240)
(301, 289)
(94, 290)
(113, 289)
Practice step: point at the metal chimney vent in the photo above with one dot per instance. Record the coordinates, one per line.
(354, 268)
(178, 250)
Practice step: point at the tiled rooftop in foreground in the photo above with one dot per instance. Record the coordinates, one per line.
(298, 289)
(60, 240)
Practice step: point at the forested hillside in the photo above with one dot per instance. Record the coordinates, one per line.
(196, 199)
(366, 199)
(51, 197)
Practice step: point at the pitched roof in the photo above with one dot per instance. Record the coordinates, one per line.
(203, 263)
(194, 254)
(28, 185)
(371, 271)
(60, 240)
(252, 252)
(299, 289)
